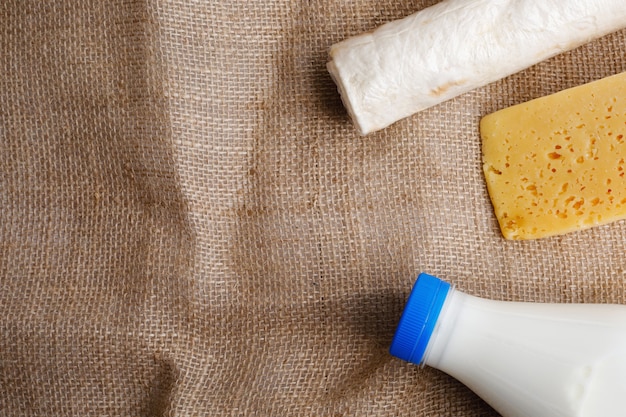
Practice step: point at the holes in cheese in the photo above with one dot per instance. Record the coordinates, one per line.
(556, 164)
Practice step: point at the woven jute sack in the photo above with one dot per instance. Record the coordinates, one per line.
(190, 225)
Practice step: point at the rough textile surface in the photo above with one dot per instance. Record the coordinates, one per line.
(190, 224)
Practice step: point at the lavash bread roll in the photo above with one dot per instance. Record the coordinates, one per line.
(454, 46)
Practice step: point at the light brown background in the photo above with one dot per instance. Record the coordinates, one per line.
(190, 225)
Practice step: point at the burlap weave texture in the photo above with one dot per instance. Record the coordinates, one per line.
(190, 224)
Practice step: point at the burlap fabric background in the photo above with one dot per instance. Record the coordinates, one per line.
(190, 225)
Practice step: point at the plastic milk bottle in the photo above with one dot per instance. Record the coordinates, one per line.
(524, 359)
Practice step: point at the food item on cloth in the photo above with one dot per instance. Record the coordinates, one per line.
(557, 164)
(454, 46)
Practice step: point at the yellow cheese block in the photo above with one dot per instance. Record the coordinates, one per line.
(556, 164)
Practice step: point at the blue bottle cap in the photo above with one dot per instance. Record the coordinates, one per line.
(419, 318)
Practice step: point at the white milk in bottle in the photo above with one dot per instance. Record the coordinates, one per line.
(524, 359)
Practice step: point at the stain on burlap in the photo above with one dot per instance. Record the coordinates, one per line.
(190, 225)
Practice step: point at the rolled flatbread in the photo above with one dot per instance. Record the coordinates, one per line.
(445, 50)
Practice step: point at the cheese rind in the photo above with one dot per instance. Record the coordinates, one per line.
(556, 164)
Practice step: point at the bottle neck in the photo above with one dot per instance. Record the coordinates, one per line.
(419, 318)
(444, 327)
